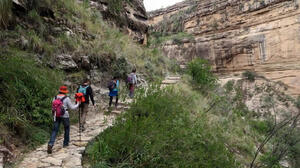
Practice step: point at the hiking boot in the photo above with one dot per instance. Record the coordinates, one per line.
(65, 146)
(49, 150)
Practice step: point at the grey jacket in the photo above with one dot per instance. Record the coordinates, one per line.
(134, 78)
(67, 105)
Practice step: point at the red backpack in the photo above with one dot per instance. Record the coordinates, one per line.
(58, 109)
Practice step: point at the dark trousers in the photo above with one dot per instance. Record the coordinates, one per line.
(66, 123)
(111, 99)
(84, 109)
(131, 90)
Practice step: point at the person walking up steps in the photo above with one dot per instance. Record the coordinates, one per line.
(132, 81)
(113, 87)
(60, 105)
(87, 91)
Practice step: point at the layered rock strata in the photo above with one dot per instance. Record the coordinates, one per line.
(238, 35)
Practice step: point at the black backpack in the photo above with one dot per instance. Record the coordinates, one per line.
(111, 85)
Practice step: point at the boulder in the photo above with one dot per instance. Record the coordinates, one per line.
(65, 62)
(85, 63)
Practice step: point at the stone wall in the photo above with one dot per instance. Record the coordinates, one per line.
(238, 35)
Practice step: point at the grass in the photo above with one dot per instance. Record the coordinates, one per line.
(156, 39)
(5, 13)
(26, 97)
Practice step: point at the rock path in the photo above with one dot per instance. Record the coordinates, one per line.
(71, 157)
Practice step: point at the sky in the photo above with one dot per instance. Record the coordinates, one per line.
(157, 4)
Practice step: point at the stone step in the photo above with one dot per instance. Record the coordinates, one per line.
(168, 82)
(173, 78)
(182, 66)
(116, 112)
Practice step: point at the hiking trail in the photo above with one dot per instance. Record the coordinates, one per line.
(71, 156)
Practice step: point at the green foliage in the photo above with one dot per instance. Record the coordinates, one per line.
(156, 39)
(159, 131)
(261, 127)
(297, 103)
(26, 94)
(229, 86)
(249, 75)
(5, 13)
(116, 6)
(201, 73)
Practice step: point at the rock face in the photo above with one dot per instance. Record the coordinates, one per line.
(238, 35)
(131, 16)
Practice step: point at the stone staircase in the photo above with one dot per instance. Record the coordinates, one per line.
(171, 80)
(71, 156)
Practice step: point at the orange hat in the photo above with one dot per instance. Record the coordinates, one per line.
(63, 89)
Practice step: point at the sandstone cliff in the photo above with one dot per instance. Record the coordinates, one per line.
(237, 35)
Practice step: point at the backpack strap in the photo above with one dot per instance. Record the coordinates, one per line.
(62, 99)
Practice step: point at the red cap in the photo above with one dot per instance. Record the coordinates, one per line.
(63, 89)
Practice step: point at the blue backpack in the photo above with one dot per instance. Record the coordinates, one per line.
(82, 89)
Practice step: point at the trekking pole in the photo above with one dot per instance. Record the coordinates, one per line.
(79, 124)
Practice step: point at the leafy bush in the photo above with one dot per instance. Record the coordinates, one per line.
(158, 131)
(249, 75)
(261, 127)
(229, 86)
(202, 74)
(26, 92)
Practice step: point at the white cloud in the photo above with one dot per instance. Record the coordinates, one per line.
(157, 4)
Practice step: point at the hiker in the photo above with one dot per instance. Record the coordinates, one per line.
(60, 106)
(113, 87)
(87, 91)
(132, 81)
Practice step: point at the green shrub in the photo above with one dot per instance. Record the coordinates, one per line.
(159, 131)
(26, 93)
(202, 74)
(249, 75)
(261, 127)
(229, 86)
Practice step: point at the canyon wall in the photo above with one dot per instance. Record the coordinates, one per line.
(237, 35)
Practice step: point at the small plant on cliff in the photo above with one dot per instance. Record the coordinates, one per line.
(249, 75)
(201, 73)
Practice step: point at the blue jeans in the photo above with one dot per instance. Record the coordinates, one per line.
(66, 123)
